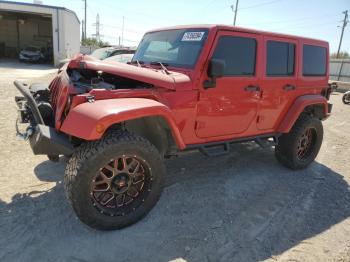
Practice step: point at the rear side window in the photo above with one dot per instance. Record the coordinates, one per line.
(238, 53)
(314, 60)
(280, 58)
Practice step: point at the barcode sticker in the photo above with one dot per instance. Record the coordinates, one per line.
(192, 36)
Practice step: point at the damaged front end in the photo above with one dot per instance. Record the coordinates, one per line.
(35, 110)
(84, 80)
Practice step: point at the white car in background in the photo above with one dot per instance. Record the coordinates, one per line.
(31, 54)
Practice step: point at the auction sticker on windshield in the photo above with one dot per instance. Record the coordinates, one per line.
(192, 36)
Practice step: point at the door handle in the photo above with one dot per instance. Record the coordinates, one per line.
(288, 87)
(252, 88)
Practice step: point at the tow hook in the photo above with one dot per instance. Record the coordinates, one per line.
(27, 134)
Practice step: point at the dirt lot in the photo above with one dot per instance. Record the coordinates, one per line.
(240, 207)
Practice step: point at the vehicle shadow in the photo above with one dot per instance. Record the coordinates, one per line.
(240, 207)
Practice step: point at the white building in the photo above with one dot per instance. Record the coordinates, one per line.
(55, 29)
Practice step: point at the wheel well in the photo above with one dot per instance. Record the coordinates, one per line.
(315, 110)
(155, 129)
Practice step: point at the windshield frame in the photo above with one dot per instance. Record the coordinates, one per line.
(169, 63)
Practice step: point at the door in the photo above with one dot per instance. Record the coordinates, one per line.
(279, 81)
(231, 106)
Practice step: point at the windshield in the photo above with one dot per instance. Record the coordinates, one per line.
(178, 48)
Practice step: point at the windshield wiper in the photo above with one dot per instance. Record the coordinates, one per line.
(139, 63)
(162, 66)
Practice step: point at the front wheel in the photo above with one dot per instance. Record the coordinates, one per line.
(346, 98)
(298, 148)
(114, 182)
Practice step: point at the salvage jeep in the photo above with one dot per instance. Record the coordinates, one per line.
(199, 87)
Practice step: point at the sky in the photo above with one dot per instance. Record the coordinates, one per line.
(311, 18)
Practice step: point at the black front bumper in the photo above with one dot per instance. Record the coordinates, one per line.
(46, 141)
(43, 139)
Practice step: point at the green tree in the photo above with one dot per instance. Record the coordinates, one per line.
(90, 41)
(342, 54)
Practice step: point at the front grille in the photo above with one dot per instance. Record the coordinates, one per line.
(54, 87)
(59, 91)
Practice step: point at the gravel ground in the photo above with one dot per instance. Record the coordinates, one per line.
(240, 207)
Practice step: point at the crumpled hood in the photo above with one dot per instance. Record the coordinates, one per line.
(148, 75)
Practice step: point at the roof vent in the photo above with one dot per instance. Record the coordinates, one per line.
(37, 2)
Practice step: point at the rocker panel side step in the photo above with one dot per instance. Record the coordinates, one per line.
(223, 147)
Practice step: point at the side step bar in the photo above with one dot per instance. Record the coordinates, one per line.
(223, 148)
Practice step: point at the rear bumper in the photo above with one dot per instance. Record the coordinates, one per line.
(43, 139)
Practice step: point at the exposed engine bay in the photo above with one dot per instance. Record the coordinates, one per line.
(41, 94)
(85, 80)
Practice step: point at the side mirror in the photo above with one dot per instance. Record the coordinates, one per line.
(216, 69)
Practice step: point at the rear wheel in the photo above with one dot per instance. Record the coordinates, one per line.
(298, 148)
(114, 182)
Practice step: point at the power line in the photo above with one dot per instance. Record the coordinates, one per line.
(261, 4)
(120, 28)
(310, 26)
(292, 21)
(208, 4)
(125, 39)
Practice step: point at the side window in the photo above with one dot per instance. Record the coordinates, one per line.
(239, 54)
(314, 60)
(280, 58)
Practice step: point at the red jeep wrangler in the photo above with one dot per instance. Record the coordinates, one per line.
(190, 87)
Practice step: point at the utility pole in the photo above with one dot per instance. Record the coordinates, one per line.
(85, 35)
(345, 22)
(82, 31)
(97, 25)
(123, 32)
(235, 11)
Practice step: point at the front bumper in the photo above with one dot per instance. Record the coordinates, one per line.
(46, 141)
(43, 139)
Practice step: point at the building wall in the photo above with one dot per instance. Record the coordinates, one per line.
(66, 35)
(339, 70)
(8, 37)
(36, 32)
(65, 28)
(71, 34)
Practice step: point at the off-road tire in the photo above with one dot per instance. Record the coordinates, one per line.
(346, 98)
(286, 151)
(85, 163)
